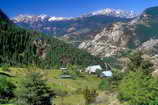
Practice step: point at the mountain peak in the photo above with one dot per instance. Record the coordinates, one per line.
(34, 18)
(56, 18)
(43, 16)
(106, 12)
(115, 13)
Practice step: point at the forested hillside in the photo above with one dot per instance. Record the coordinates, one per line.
(20, 47)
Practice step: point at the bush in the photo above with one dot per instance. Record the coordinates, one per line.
(139, 63)
(74, 70)
(6, 90)
(90, 95)
(138, 89)
(104, 84)
(116, 78)
(98, 72)
(33, 90)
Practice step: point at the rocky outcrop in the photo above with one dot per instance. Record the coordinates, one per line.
(41, 48)
(110, 41)
(150, 47)
(139, 33)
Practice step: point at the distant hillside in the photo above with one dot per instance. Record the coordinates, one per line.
(78, 28)
(20, 47)
(139, 33)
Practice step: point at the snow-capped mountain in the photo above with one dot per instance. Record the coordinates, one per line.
(74, 28)
(106, 12)
(34, 18)
(57, 18)
(113, 12)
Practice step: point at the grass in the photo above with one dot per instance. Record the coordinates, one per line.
(6, 104)
(71, 86)
(70, 100)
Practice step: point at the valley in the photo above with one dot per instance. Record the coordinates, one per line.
(114, 61)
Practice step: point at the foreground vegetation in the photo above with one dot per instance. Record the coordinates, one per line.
(135, 86)
(66, 90)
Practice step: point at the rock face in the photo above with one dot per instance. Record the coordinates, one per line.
(110, 41)
(139, 33)
(41, 47)
(150, 47)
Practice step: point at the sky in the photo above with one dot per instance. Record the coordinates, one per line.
(70, 8)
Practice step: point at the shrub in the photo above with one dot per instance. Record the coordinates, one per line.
(138, 89)
(98, 72)
(33, 90)
(139, 63)
(74, 70)
(105, 84)
(90, 95)
(117, 77)
(6, 90)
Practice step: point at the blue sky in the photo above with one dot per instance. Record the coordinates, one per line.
(70, 8)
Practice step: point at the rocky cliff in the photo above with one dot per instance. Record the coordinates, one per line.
(134, 34)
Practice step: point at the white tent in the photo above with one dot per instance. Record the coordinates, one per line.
(93, 69)
(106, 74)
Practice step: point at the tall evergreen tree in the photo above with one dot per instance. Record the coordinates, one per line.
(33, 90)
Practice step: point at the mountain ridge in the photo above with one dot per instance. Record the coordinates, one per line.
(121, 36)
(113, 12)
(78, 28)
(106, 11)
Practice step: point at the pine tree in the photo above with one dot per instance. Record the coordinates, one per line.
(33, 90)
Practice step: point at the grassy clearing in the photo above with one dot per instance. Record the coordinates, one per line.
(73, 87)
